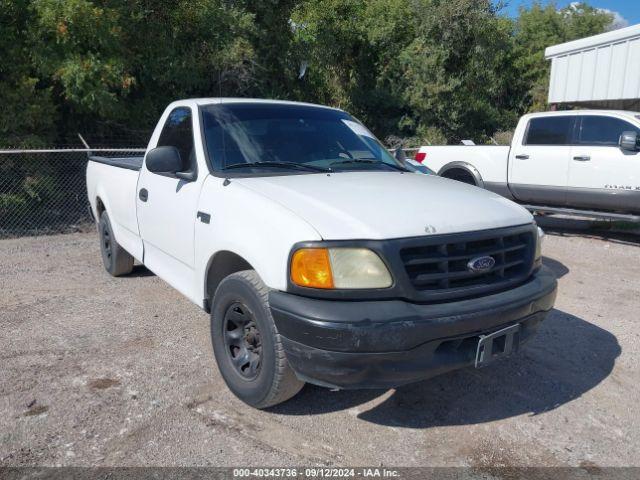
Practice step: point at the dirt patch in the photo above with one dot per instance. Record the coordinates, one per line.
(103, 383)
(196, 402)
(36, 410)
(592, 468)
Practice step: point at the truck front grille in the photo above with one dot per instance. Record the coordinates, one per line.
(438, 267)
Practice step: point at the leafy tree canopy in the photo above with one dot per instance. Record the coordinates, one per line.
(421, 70)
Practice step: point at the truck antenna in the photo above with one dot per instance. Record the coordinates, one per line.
(86, 145)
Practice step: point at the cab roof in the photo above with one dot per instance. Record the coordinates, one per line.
(222, 100)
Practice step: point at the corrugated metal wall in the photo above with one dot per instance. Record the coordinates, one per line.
(605, 70)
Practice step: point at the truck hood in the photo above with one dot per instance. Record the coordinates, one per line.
(383, 205)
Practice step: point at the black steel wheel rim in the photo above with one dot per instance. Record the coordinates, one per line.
(106, 243)
(242, 340)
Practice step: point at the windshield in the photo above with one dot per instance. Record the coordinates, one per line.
(262, 137)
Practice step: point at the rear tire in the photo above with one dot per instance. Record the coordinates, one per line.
(116, 260)
(246, 343)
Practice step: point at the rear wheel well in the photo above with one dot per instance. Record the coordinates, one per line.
(461, 175)
(99, 208)
(221, 266)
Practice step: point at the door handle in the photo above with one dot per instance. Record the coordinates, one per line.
(522, 157)
(203, 217)
(143, 194)
(582, 158)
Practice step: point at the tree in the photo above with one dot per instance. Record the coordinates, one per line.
(28, 113)
(542, 26)
(184, 49)
(458, 70)
(412, 66)
(421, 70)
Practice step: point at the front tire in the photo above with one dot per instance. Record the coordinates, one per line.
(116, 260)
(246, 344)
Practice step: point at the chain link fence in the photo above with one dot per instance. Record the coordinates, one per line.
(44, 191)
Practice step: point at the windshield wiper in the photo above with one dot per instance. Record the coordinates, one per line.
(299, 166)
(372, 161)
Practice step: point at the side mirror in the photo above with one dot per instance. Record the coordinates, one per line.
(164, 160)
(629, 141)
(400, 155)
(168, 160)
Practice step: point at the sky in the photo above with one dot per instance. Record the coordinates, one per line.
(628, 10)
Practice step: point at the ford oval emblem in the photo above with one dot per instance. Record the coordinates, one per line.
(481, 264)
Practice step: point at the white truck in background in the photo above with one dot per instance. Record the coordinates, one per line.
(580, 161)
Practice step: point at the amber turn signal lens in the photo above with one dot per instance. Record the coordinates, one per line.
(310, 267)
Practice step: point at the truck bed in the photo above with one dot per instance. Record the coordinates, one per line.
(130, 163)
(116, 189)
(489, 160)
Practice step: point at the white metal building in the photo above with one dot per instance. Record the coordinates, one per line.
(602, 71)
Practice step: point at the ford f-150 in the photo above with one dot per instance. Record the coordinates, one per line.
(319, 257)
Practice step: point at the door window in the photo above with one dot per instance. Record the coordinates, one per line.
(178, 132)
(603, 131)
(549, 131)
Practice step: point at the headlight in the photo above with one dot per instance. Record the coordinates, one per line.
(537, 261)
(343, 268)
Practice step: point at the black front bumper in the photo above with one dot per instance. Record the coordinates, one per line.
(387, 343)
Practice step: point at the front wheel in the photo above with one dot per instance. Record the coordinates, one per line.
(247, 345)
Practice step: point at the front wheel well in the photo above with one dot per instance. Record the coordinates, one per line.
(461, 175)
(100, 208)
(222, 265)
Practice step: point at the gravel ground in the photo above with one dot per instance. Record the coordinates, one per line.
(103, 371)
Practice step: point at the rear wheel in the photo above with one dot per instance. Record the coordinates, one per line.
(117, 261)
(246, 344)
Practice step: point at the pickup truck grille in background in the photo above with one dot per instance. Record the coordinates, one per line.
(437, 266)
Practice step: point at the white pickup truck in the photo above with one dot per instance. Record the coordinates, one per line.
(319, 257)
(586, 160)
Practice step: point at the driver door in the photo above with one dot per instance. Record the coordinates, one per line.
(167, 206)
